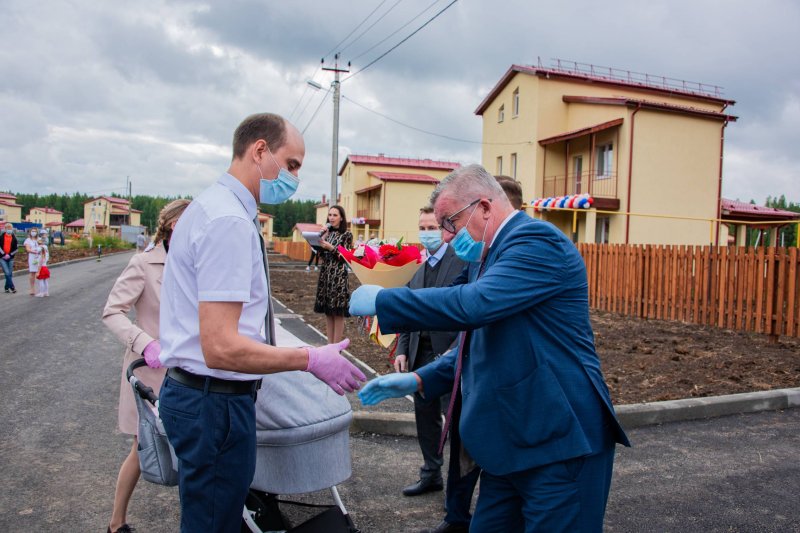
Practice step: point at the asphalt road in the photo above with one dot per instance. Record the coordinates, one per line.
(60, 450)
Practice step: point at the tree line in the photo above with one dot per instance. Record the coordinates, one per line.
(286, 214)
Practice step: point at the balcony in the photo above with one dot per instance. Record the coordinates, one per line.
(598, 186)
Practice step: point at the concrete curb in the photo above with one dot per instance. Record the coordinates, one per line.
(630, 416)
(71, 261)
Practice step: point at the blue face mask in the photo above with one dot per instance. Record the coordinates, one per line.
(9, 231)
(280, 189)
(431, 239)
(466, 248)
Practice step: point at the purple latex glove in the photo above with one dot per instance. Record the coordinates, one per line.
(151, 353)
(328, 365)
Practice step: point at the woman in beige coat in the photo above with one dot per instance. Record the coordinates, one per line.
(138, 287)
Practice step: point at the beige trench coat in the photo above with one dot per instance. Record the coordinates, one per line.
(139, 287)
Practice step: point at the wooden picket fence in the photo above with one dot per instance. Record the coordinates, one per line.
(736, 288)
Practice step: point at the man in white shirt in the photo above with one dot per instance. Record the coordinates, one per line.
(215, 302)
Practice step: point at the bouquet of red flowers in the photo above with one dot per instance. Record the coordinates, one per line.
(388, 264)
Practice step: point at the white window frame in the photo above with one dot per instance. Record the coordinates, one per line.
(605, 160)
(602, 230)
(499, 164)
(515, 103)
(501, 114)
(512, 164)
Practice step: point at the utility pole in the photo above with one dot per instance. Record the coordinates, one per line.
(335, 151)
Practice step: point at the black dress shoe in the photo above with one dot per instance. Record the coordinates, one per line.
(446, 527)
(422, 486)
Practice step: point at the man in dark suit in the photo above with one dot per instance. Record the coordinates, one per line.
(418, 348)
(536, 413)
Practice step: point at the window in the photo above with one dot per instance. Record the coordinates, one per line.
(605, 155)
(577, 170)
(500, 165)
(513, 165)
(515, 103)
(501, 113)
(601, 230)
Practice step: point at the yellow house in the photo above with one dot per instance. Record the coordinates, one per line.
(266, 222)
(321, 211)
(647, 149)
(106, 214)
(48, 217)
(382, 195)
(10, 210)
(300, 227)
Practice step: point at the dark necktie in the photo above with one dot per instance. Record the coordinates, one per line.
(269, 319)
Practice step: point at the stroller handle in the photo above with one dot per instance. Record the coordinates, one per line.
(141, 389)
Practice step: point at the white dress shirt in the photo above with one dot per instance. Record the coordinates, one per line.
(214, 256)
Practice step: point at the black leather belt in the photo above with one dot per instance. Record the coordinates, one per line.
(223, 386)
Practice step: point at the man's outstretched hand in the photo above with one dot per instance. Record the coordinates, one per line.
(328, 365)
(389, 386)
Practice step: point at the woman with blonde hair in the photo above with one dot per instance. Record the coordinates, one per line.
(138, 287)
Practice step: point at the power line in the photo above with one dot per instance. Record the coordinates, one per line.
(317, 110)
(305, 91)
(370, 27)
(448, 137)
(354, 30)
(365, 52)
(401, 42)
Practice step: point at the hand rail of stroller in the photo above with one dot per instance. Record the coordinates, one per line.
(143, 390)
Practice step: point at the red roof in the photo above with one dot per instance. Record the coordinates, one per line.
(308, 226)
(635, 102)
(734, 209)
(9, 203)
(428, 164)
(399, 176)
(580, 132)
(112, 199)
(589, 78)
(53, 224)
(76, 223)
(48, 210)
(120, 210)
(264, 216)
(7, 196)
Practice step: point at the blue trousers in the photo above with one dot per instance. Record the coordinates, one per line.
(459, 489)
(8, 271)
(214, 436)
(566, 496)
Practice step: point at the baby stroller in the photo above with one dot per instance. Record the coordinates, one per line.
(302, 446)
(157, 460)
(302, 439)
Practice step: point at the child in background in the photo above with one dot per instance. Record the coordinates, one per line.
(43, 276)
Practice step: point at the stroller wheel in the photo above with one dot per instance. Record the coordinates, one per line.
(266, 514)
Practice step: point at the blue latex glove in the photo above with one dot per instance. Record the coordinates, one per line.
(388, 386)
(362, 301)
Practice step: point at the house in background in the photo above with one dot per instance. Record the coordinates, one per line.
(50, 218)
(300, 227)
(10, 210)
(646, 145)
(266, 221)
(382, 195)
(75, 227)
(107, 214)
(743, 216)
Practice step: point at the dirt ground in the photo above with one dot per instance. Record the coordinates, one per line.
(59, 254)
(643, 360)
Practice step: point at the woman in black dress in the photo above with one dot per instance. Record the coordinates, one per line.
(333, 294)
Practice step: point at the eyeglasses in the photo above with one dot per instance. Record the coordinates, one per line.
(447, 223)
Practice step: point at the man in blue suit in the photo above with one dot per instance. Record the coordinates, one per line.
(536, 413)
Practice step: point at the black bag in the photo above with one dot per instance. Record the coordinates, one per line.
(266, 510)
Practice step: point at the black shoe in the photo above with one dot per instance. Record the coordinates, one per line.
(422, 486)
(124, 528)
(13, 290)
(446, 527)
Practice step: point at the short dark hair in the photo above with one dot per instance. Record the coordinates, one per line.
(512, 188)
(267, 126)
(427, 210)
(343, 223)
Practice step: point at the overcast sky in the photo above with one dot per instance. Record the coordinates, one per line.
(92, 92)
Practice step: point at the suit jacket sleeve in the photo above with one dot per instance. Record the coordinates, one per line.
(126, 292)
(532, 260)
(437, 376)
